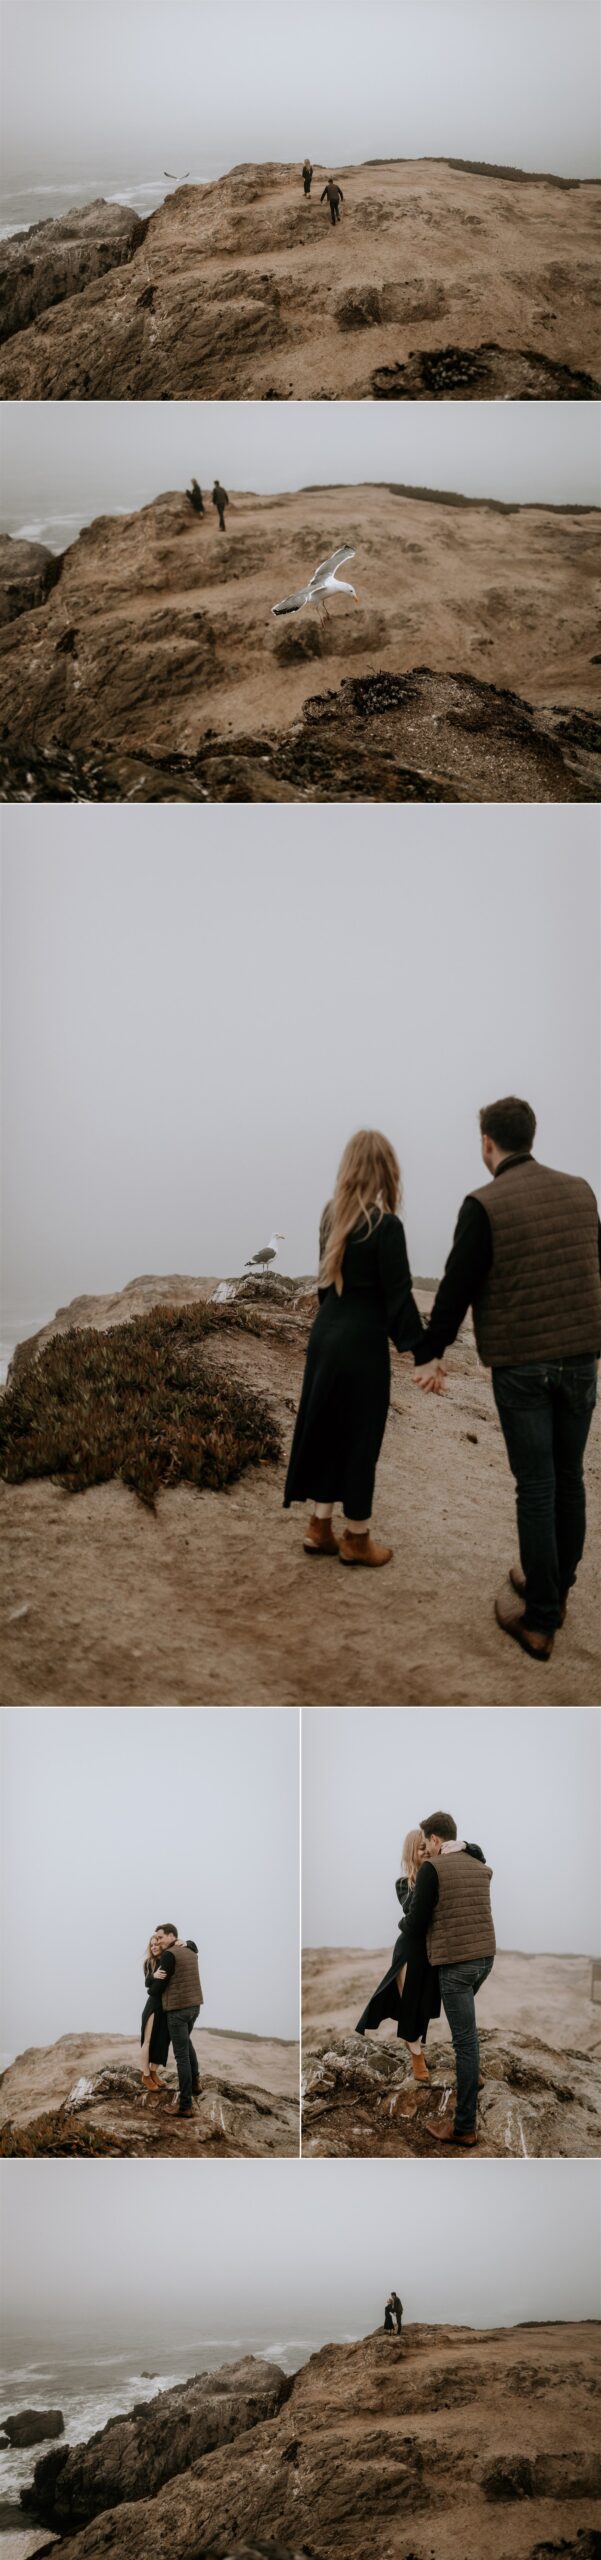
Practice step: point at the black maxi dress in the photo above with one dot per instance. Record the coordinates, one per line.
(419, 2000)
(345, 1396)
(159, 2041)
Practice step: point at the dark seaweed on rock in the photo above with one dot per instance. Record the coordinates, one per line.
(145, 1401)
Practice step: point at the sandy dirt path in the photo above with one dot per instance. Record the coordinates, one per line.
(213, 1602)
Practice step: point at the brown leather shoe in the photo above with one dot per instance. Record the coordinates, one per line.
(362, 1549)
(320, 1540)
(151, 2084)
(518, 1582)
(419, 2066)
(444, 2131)
(531, 1639)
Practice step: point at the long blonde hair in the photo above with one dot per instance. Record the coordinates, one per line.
(151, 1957)
(411, 1861)
(368, 1182)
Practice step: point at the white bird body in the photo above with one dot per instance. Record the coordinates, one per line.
(268, 1253)
(324, 582)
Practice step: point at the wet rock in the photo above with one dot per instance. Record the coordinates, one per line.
(53, 260)
(27, 573)
(31, 2426)
(134, 2456)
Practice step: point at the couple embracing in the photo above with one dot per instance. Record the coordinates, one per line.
(526, 1257)
(444, 1952)
(173, 2000)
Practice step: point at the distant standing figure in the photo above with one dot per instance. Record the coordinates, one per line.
(195, 497)
(220, 500)
(335, 198)
(307, 176)
(394, 2310)
(388, 2320)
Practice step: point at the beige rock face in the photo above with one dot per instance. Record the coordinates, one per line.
(242, 290)
(159, 642)
(403, 2447)
(84, 2095)
(45, 265)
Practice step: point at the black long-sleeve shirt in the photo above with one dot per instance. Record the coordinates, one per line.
(418, 1914)
(464, 1274)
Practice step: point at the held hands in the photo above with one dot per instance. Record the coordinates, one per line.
(432, 1377)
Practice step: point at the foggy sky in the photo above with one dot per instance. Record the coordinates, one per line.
(91, 457)
(137, 84)
(292, 2244)
(525, 1787)
(154, 1815)
(197, 1016)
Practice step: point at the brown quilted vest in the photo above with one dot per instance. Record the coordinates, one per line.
(541, 1299)
(183, 1991)
(462, 1921)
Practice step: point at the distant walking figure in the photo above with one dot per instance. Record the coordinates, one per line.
(335, 198)
(195, 497)
(220, 500)
(365, 1298)
(307, 176)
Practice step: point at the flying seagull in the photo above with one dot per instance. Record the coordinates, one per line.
(324, 582)
(178, 182)
(269, 1253)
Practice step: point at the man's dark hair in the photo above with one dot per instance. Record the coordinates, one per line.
(511, 1124)
(168, 1928)
(442, 1824)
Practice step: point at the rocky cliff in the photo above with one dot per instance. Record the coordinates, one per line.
(404, 2447)
(441, 281)
(161, 2438)
(360, 2100)
(467, 668)
(84, 2098)
(44, 266)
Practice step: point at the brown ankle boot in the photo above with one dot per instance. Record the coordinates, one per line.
(320, 1540)
(518, 1582)
(419, 2066)
(361, 1549)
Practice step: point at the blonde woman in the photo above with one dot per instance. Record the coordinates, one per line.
(154, 2031)
(365, 1300)
(410, 1992)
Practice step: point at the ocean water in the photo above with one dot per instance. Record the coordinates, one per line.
(35, 199)
(92, 2386)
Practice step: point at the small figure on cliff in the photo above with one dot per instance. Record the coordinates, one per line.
(393, 2311)
(220, 500)
(196, 497)
(182, 1998)
(335, 198)
(307, 176)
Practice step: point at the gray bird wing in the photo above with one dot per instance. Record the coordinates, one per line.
(292, 604)
(335, 561)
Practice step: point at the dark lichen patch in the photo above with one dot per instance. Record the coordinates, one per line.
(147, 1402)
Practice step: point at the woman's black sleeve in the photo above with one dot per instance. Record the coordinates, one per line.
(402, 1315)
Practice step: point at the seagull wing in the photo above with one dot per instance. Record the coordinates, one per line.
(292, 604)
(171, 173)
(327, 567)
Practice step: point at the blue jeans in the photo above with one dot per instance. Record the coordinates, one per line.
(545, 1410)
(458, 1986)
(180, 2023)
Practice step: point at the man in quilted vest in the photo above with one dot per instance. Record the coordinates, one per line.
(450, 1908)
(182, 1999)
(526, 1256)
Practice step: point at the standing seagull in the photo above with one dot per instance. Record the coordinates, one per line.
(324, 582)
(269, 1253)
